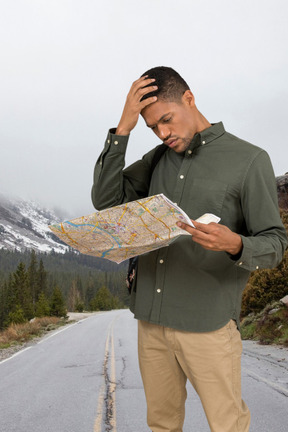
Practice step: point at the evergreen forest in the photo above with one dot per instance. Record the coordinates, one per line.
(36, 285)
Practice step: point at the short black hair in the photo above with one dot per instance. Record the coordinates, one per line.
(171, 86)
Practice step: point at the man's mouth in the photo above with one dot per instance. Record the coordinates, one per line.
(171, 143)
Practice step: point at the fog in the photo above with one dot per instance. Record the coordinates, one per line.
(67, 65)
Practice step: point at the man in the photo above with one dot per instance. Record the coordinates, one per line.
(187, 297)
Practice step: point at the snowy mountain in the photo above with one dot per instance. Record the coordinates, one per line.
(24, 225)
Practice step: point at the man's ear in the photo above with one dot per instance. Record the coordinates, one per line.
(188, 98)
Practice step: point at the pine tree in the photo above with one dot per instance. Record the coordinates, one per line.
(42, 306)
(33, 278)
(3, 304)
(21, 294)
(80, 286)
(57, 304)
(42, 278)
(90, 291)
(8, 301)
(103, 300)
(74, 297)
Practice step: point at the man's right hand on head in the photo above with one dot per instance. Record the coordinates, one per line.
(134, 105)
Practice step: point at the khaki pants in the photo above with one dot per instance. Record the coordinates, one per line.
(212, 363)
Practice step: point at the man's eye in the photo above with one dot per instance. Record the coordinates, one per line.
(166, 120)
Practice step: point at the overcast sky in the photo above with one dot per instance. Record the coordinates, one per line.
(67, 65)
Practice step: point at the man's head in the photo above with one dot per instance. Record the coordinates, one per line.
(174, 117)
(171, 86)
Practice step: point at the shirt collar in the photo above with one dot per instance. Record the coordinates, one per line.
(207, 135)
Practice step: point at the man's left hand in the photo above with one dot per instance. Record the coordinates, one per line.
(214, 237)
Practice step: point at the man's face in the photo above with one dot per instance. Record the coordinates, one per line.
(174, 123)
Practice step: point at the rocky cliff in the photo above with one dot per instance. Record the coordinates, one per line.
(282, 189)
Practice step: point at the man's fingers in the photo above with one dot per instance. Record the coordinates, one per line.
(142, 78)
(186, 227)
(147, 101)
(201, 231)
(141, 83)
(207, 228)
(144, 90)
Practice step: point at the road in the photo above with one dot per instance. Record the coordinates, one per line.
(85, 378)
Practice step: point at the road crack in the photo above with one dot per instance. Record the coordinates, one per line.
(110, 387)
(106, 410)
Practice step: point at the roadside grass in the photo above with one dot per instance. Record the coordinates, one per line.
(269, 326)
(17, 334)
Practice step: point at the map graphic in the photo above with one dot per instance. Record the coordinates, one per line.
(127, 230)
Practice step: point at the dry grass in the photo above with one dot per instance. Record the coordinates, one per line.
(20, 333)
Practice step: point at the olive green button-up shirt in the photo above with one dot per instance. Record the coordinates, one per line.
(184, 286)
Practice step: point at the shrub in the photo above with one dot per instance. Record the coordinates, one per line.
(79, 307)
(266, 286)
(19, 333)
(17, 316)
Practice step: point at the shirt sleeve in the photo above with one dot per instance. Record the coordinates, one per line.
(114, 185)
(266, 241)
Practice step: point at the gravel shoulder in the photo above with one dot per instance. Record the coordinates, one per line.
(272, 353)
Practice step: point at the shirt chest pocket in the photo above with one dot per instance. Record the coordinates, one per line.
(205, 196)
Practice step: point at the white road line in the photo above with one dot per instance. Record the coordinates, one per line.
(271, 384)
(59, 331)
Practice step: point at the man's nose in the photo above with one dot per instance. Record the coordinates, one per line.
(163, 132)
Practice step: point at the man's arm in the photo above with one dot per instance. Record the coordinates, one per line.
(265, 246)
(112, 184)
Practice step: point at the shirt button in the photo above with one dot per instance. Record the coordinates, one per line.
(189, 151)
(116, 142)
(158, 290)
(203, 142)
(108, 141)
(257, 267)
(181, 176)
(161, 261)
(241, 263)
(100, 163)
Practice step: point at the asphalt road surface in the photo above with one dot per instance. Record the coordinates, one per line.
(85, 378)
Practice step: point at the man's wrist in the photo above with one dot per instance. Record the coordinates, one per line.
(237, 246)
(122, 131)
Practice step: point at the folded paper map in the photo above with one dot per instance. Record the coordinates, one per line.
(127, 230)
